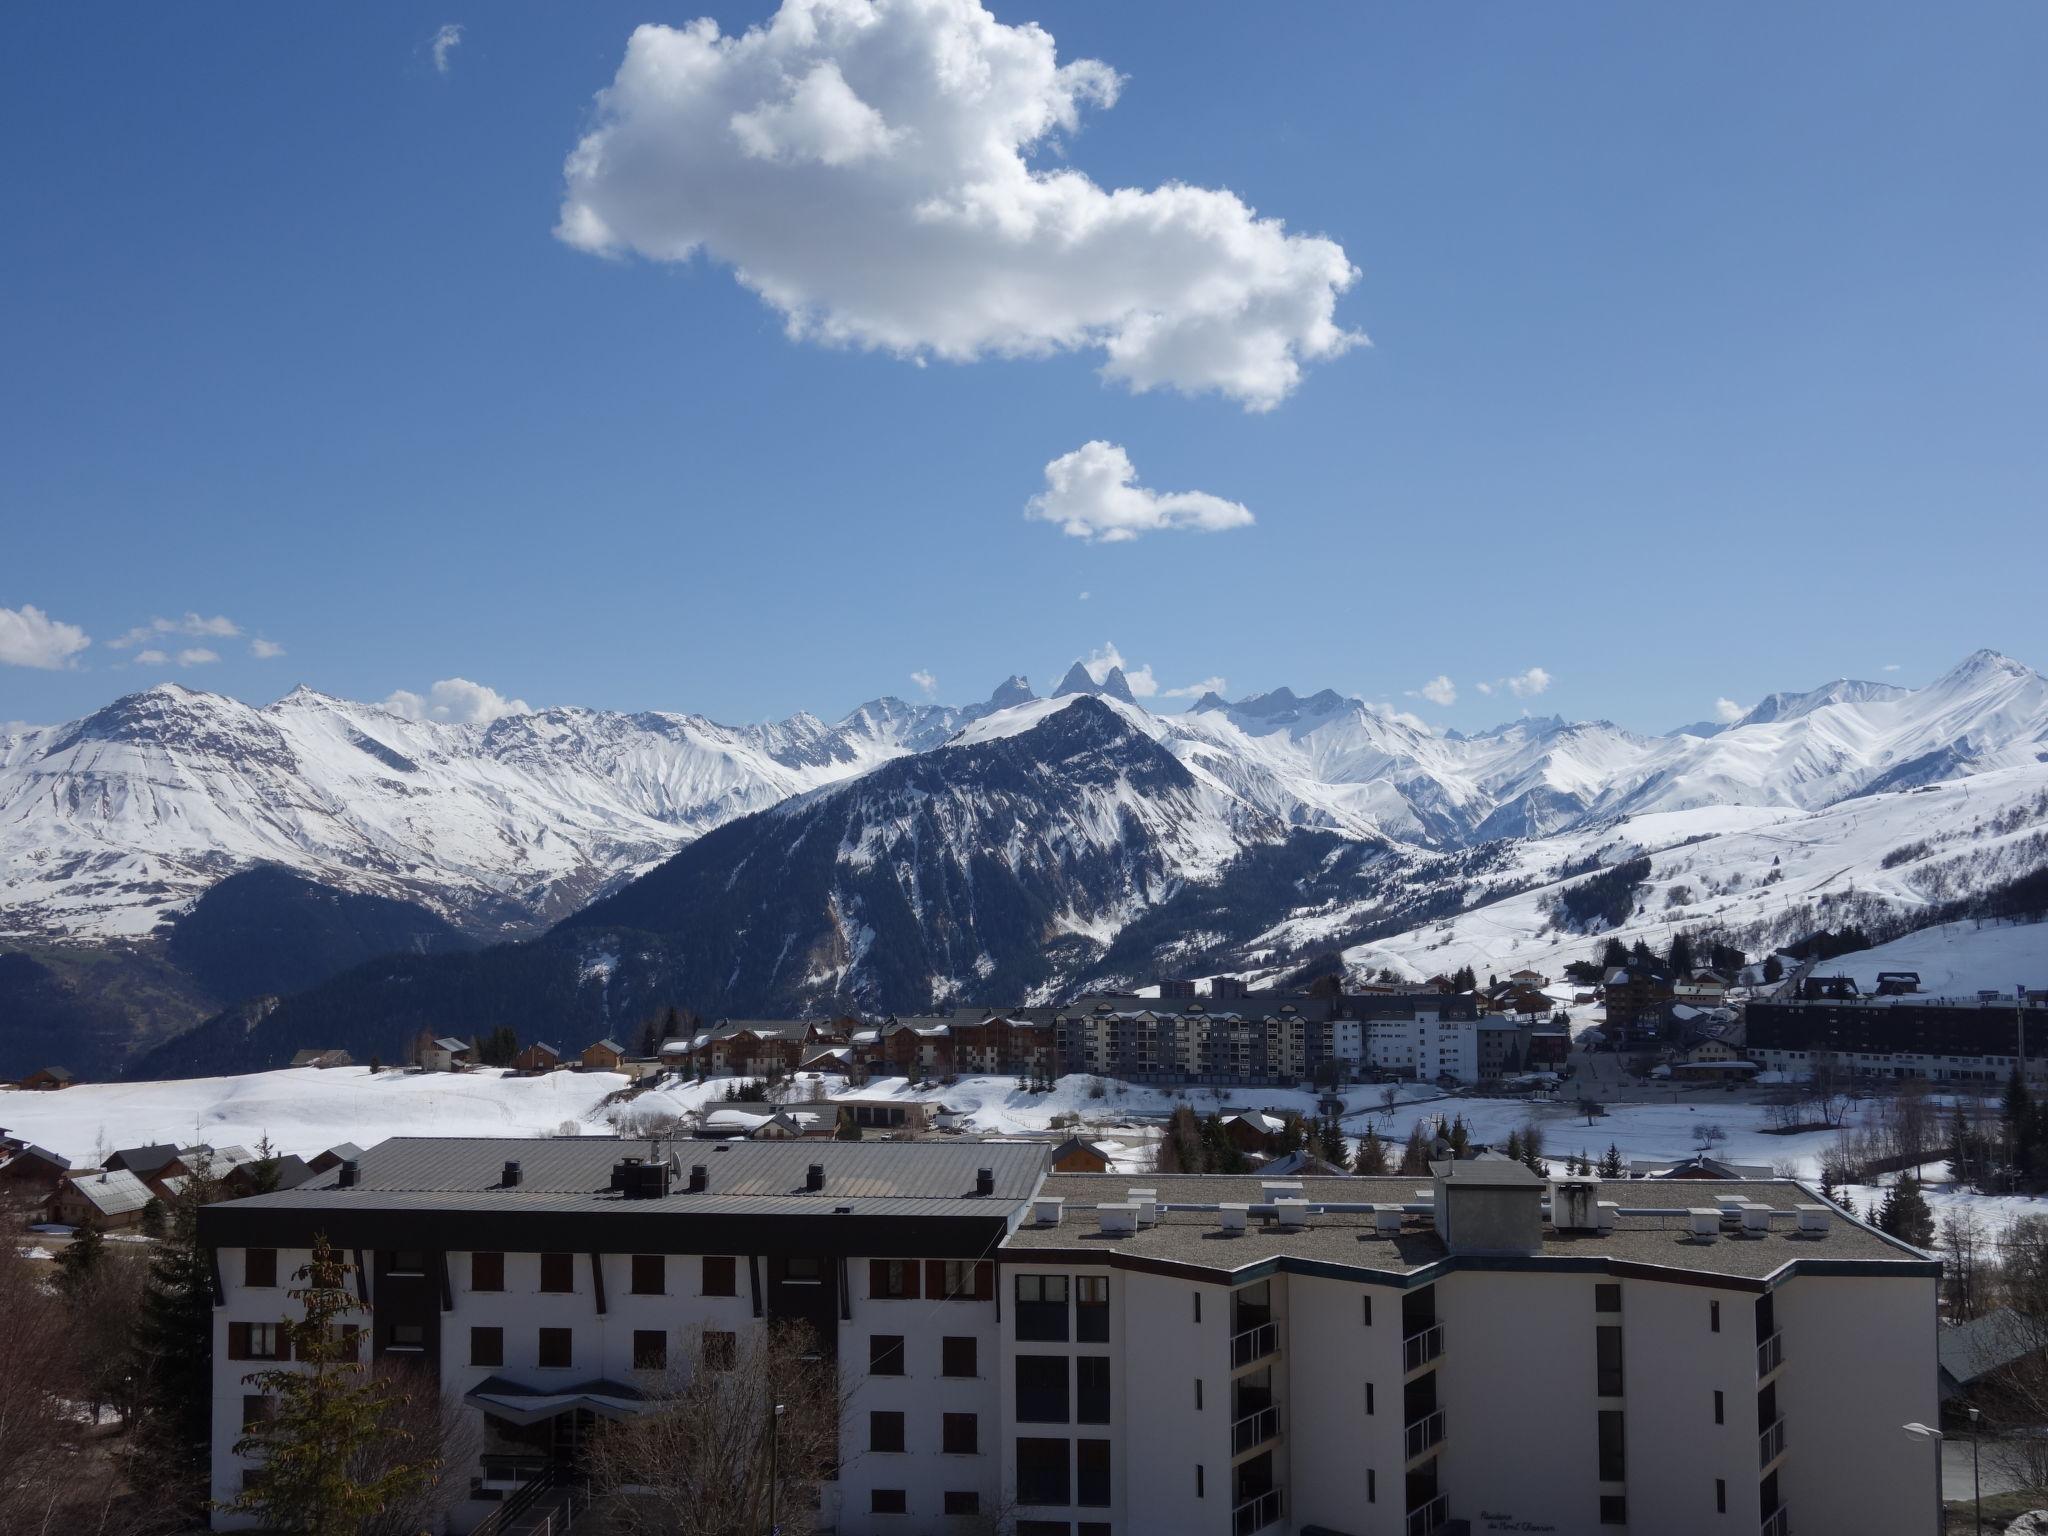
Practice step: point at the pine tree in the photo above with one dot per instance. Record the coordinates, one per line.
(1906, 1215)
(327, 1414)
(1459, 1138)
(1681, 955)
(1371, 1157)
(174, 1357)
(1514, 1146)
(849, 1128)
(1610, 1162)
(263, 1173)
(1415, 1155)
(79, 1264)
(1615, 954)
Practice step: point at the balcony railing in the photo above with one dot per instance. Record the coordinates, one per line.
(1254, 1344)
(1777, 1523)
(1770, 1354)
(1423, 1519)
(1425, 1432)
(1256, 1513)
(1770, 1445)
(1423, 1346)
(1254, 1429)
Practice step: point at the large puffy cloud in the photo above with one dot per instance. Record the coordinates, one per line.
(1093, 493)
(29, 637)
(863, 166)
(458, 701)
(1438, 690)
(1727, 711)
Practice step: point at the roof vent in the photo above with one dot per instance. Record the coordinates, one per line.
(1118, 1219)
(350, 1172)
(1279, 1189)
(1291, 1214)
(1756, 1218)
(637, 1179)
(1706, 1223)
(1386, 1220)
(511, 1179)
(1574, 1205)
(984, 1181)
(700, 1178)
(814, 1177)
(1147, 1202)
(1607, 1210)
(1045, 1210)
(1230, 1217)
(1813, 1220)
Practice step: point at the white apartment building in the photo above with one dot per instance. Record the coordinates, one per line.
(1424, 1047)
(1220, 1356)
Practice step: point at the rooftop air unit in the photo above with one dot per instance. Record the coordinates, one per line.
(1607, 1210)
(700, 1178)
(1291, 1214)
(1706, 1223)
(1575, 1205)
(1386, 1220)
(638, 1179)
(1147, 1202)
(1230, 1217)
(1813, 1220)
(1756, 1219)
(1118, 1219)
(1279, 1189)
(1045, 1210)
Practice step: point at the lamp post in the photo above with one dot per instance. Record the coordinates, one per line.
(1925, 1432)
(774, 1469)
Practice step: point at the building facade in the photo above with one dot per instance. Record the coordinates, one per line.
(1943, 1040)
(1215, 1355)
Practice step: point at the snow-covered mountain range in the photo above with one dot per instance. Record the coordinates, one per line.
(114, 824)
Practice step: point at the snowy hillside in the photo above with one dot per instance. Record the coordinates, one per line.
(1957, 959)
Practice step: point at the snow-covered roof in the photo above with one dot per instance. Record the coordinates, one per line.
(450, 1043)
(113, 1193)
(608, 1045)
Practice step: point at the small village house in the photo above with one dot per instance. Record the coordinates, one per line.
(537, 1057)
(604, 1056)
(110, 1198)
(46, 1080)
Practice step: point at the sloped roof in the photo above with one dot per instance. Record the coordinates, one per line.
(450, 1043)
(113, 1193)
(143, 1160)
(1972, 1350)
(608, 1045)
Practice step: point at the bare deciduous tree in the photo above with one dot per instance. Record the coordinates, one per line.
(697, 1463)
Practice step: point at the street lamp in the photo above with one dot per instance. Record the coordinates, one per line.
(1924, 1432)
(774, 1452)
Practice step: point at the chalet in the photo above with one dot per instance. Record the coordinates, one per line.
(1698, 1166)
(1703, 989)
(110, 1198)
(46, 1080)
(1636, 995)
(754, 1120)
(604, 1056)
(1254, 1131)
(323, 1059)
(159, 1160)
(1076, 1156)
(1529, 978)
(445, 1053)
(341, 1152)
(29, 1172)
(1975, 1353)
(1897, 983)
(259, 1176)
(537, 1057)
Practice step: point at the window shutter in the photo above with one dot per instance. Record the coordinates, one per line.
(878, 1277)
(935, 1279)
(238, 1341)
(910, 1278)
(985, 1281)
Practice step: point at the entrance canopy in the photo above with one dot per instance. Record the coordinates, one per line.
(521, 1404)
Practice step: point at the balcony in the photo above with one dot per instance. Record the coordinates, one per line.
(1770, 1445)
(1777, 1523)
(1422, 1346)
(1256, 1513)
(1254, 1430)
(1424, 1519)
(1256, 1343)
(1425, 1433)
(1770, 1354)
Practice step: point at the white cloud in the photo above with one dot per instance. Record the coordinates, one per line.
(458, 701)
(1092, 493)
(1891, 666)
(927, 684)
(1526, 684)
(29, 637)
(1728, 711)
(1216, 685)
(1403, 717)
(192, 625)
(265, 650)
(151, 658)
(1438, 690)
(1086, 595)
(445, 42)
(198, 656)
(1485, 688)
(865, 168)
(1100, 661)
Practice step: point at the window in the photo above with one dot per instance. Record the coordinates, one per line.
(1714, 1316)
(1041, 1389)
(1720, 1495)
(258, 1409)
(962, 1501)
(1044, 1528)
(1607, 1361)
(1372, 1486)
(960, 1280)
(259, 1267)
(407, 1261)
(806, 1269)
(1091, 1473)
(255, 1341)
(1198, 1394)
(1198, 1307)
(1368, 1309)
(650, 1349)
(1091, 1309)
(1719, 1409)
(1607, 1298)
(409, 1338)
(554, 1348)
(958, 1356)
(1091, 1389)
(721, 1351)
(885, 1431)
(558, 1271)
(885, 1354)
(1613, 1509)
(1613, 1458)
(487, 1271)
(1093, 1528)
(1042, 1308)
(650, 1274)
(486, 1346)
(892, 1279)
(888, 1501)
(721, 1277)
(1042, 1472)
(960, 1434)
(1201, 1482)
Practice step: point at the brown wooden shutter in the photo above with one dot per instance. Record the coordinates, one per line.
(935, 1279)
(910, 1278)
(238, 1341)
(985, 1281)
(878, 1277)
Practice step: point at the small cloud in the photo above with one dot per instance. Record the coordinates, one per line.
(927, 684)
(1727, 711)
(1485, 688)
(1891, 666)
(1526, 684)
(151, 658)
(1216, 685)
(1086, 595)
(1401, 717)
(1092, 493)
(29, 637)
(1100, 662)
(445, 42)
(265, 650)
(457, 701)
(198, 656)
(1438, 690)
(192, 625)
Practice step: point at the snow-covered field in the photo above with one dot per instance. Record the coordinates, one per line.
(1956, 959)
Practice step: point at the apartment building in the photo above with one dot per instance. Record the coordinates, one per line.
(1215, 1355)
(1935, 1039)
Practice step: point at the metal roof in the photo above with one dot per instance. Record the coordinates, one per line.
(113, 1193)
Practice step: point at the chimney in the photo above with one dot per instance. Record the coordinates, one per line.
(700, 1178)
(984, 1181)
(1118, 1220)
(511, 1179)
(1706, 1223)
(348, 1175)
(1813, 1220)
(814, 1177)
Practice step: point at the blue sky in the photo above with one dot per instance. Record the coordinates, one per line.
(1708, 356)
